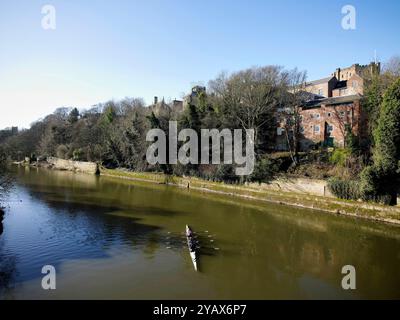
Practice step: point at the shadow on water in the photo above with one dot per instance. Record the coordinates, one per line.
(7, 271)
(124, 215)
(2, 213)
(267, 251)
(7, 262)
(71, 227)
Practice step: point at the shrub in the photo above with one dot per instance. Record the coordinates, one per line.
(226, 173)
(3, 157)
(373, 185)
(77, 154)
(62, 151)
(5, 179)
(264, 170)
(344, 189)
(339, 157)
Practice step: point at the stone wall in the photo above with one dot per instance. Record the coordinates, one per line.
(70, 165)
(298, 185)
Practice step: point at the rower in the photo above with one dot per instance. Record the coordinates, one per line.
(192, 244)
(189, 233)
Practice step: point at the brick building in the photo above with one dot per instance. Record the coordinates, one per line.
(334, 104)
(326, 120)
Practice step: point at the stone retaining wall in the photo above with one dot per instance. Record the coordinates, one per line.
(298, 185)
(70, 165)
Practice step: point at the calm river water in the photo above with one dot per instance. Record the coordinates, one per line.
(117, 239)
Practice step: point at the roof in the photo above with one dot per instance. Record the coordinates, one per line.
(341, 84)
(307, 96)
(315, 82)
(332, 101)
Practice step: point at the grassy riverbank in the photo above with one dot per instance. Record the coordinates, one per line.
(364, 210)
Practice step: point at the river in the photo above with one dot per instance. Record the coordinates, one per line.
(116, 239)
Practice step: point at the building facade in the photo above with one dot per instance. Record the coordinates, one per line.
(327, 121)
(334, 107)
(163, 108)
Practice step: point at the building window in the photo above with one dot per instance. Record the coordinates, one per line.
(329, 114)
(301, 129)
(329, 128)
(342, 113)
(279, 131)
(316, 129)
(320, 92)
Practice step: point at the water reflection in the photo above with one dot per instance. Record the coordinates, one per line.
(7, 262)
(133, 235)
(2, 213)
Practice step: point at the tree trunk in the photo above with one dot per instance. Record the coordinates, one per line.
(393, 198)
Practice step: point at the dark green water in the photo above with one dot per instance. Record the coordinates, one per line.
(116, 239)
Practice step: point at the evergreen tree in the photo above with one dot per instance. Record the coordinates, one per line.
(351, 141)
(154, 122)
(73, 116)
(381, 181)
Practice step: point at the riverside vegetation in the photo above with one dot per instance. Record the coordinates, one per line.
(113, 134)
(5, 184)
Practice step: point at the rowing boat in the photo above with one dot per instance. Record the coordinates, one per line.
(191, 245)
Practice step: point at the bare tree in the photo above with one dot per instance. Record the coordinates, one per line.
(295, 97)
(250, 97)
(344, 120)
(392, 67)
(5, 179)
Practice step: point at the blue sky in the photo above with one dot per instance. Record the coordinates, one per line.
(105, 50)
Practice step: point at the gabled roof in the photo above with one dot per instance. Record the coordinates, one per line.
(315, 82)
(332, 101)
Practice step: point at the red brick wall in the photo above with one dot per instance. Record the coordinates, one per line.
(334, 115)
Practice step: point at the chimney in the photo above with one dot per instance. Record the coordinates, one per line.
(155, 100)
(338, 74)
